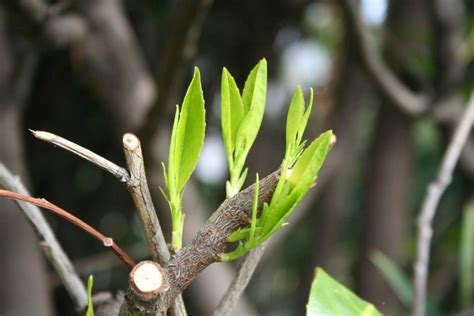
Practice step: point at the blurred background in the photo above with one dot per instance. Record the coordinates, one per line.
(91, 70)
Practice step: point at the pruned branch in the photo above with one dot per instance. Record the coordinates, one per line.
(146, 210)
(142, 199)
(147, 281)
(106, 241)
(50, 245)
(117, 171)
(386, 81)
(211, 240)
(430, 203)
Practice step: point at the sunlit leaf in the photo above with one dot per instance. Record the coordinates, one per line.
(293, 121)
(191, 128)
(330, 298)
(232, 110)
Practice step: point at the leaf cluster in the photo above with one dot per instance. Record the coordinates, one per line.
(299, 170)
(241, 119)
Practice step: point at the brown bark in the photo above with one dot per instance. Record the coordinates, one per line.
(211, 241)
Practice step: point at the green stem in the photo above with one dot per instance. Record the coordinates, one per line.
(177, 219)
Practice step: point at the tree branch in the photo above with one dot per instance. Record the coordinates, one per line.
(209, 243)
(106, 241)
(117, 171)
(211, 240)
(386, 81)
(146, 210)
(50, 245)
(142, 199)
(430, 203)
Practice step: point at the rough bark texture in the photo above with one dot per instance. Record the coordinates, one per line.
(211, 241)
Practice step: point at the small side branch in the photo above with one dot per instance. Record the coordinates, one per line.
(119, 172)
(240, 281)
(106, 241)
(50, 245)
(430, 203)
(387, 82)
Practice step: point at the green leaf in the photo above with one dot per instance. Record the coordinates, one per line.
(173, 166)
(307, 166)
(330, 298)
(466, 257)
(232, 110)
(296, 122)
(187, 138)
(90, 308)
(304, 120)
(300, 181)
(397, 280)
(255, 88)
(293, 120)
(253, 98)
(191, 128)
(241, 120)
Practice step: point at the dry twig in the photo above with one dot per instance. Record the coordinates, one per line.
(106, 241)
(50, 245)
(240, 281)
(406, 100)
(119, 172)
(146, 210)
(430, 203)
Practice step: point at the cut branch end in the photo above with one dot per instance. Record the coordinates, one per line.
(130, 141)
(147, 280)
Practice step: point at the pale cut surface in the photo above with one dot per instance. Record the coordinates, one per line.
(148, 278)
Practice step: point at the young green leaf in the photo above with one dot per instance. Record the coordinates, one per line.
(90, 308)
(253, 99)
(187, 138)
(241, 120)
(329, 297)
(232, 110)
(300, 181)
(191, 128)
(293, 121)
(296, 121)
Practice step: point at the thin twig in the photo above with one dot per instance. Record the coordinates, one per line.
(142, 199)
(50, 245)
(387, 82)
(430, 203)
(119, 172)
(240, 281)
(106, 241)
(145, 208)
